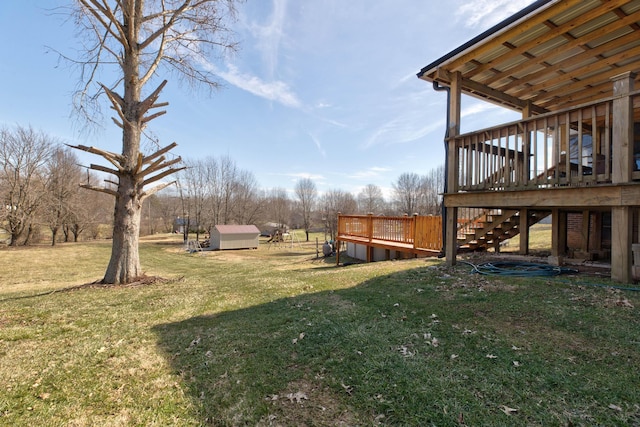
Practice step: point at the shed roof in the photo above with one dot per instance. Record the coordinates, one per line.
(237, 229)
(553, 54)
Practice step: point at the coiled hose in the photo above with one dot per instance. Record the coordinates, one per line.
(532, 269)
(518, 269)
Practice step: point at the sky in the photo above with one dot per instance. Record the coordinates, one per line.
(319, 89)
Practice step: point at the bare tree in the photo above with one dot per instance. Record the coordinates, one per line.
(24, 153)
(407, 193)
(63, 179)
(306, 192)
(195, 186)
(248, 206)
(90, 211)
(332, 203)
(222, 176)
(141, 38)
(278, 206)
(371, 200)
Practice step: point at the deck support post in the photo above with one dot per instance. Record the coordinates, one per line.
(558, 235)
(453, 154)
(523, 228)
(621, 240)
(622, 171)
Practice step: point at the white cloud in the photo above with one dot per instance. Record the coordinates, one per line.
(318, 145)
(372, 172)
(277, 91)
(269, 37)
(483, 14)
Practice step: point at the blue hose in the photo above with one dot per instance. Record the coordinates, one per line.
(531, 269)
(519, 269)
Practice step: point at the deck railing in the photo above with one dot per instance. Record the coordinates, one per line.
(418, 232)
(568, 148)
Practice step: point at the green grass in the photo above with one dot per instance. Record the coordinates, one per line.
(275, 336)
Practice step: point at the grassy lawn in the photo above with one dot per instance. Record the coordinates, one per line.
(275, 336)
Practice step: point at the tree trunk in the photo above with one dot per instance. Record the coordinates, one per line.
(54, 234)
(124, 266)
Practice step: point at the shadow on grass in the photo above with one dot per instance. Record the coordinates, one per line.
(402, 350)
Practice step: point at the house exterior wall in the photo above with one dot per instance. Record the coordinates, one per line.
(358, 251)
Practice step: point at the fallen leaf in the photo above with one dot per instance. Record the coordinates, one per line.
(516, 363)
(347, 388)
(615, 407)
(623, 302)
(454, 356)
(297, 397)
(491, 356)
(508, 410)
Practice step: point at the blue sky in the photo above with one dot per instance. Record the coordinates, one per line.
(320, 89)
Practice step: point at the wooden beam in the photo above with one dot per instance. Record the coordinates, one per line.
(566, 27)
(563, 197)
(499, 39)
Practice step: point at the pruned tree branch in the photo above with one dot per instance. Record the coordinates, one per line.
(159, 153)
(101, 168)
(161, 175)
(99, 189)
(155, 189)
(113, 158)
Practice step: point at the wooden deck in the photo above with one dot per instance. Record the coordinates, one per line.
(418, 235)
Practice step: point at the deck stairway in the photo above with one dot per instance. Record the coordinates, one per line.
(491, 227)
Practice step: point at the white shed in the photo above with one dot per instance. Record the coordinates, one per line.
(234, 237)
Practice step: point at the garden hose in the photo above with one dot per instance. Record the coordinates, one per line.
(531, 269)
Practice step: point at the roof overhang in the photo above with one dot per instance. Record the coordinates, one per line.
(552, 55)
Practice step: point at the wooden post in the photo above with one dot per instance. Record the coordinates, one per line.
(622, 170)
(621, 240)
(451, 230)
(558, 235)
(370, 235)
(622, 128)
(523, 226)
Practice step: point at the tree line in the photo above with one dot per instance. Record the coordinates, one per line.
(41, 178)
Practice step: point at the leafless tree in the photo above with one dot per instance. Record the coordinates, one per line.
(24, 153)
(195, 186)
(371, 200)
(141, 39)
(307, 193)
(248, 206)
(63, 180)
(278, 206)
(332, 203)
(222, 179)
(415, 193)
(90, 211)
(407, 193)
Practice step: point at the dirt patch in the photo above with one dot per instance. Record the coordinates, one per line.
(303, 403)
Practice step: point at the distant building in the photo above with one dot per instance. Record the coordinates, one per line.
(234, 237)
